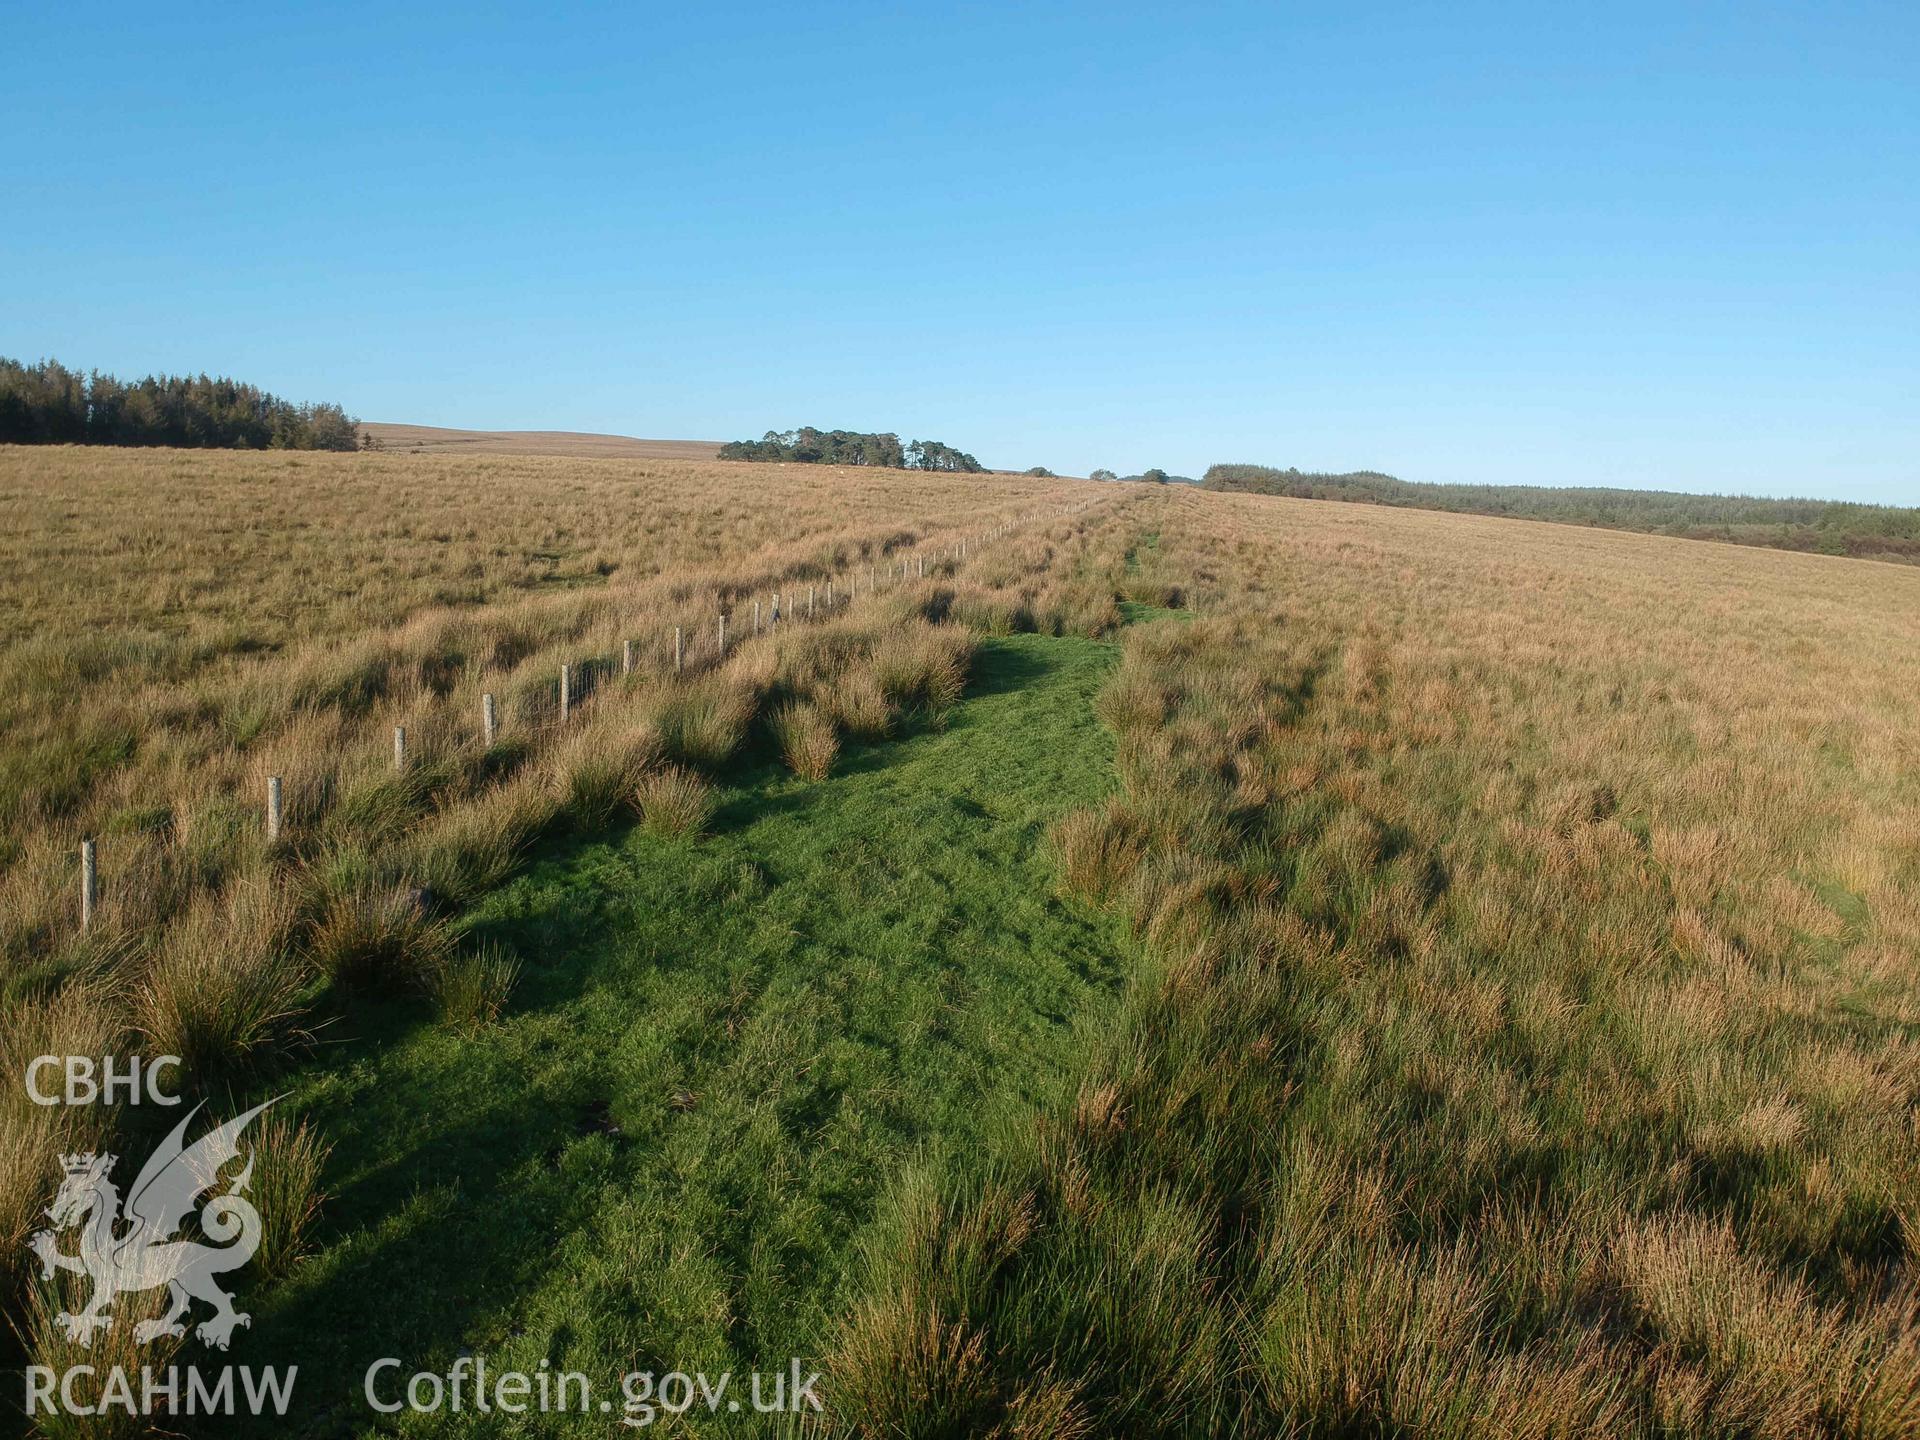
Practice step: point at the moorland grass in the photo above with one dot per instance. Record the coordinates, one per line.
(1521, 1034)
(720, 1052)
(1524, 1049)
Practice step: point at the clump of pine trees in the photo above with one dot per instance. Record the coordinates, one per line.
(808, 446)
(48, 404)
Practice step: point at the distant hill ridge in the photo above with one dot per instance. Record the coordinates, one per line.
(1828, 527)
(435, 439)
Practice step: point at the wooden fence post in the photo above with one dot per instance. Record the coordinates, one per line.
(676, 649)
(487, 726)
(626, 657)
(723, 632)
(273, 808)
(756, 617)
(566, 692)
(89, 885)
(399, 747)
(810, 590)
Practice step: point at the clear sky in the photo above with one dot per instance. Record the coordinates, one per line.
(1672, 245)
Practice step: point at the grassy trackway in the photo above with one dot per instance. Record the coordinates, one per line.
(720, 1053)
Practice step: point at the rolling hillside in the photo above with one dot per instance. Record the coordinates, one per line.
(1109, 960)
(433, 439)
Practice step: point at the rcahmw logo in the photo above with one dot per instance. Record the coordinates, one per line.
(135, 1247)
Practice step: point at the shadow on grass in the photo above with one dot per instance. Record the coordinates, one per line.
(718, 1052)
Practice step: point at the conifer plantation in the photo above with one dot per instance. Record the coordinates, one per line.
(48, 404)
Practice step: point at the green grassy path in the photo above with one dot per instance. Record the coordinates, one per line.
(720, 1053)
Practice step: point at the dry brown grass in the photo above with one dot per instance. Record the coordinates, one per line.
(438, 440)
(806, 738)
(1528, 1048)
(177, 628)
(287, 1157)
(673, 802)
(1527, 1044)
(180, 626)
(223, 984)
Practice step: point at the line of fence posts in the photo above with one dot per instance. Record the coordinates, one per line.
(489, 711)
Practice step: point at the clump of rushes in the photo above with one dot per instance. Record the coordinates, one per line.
(673, 802)
(990, 612)
(859, 704)
(465, 851)
(378, 806)
(594, 771)
(83, 1017)
(807, 739)
(923, 666)
(1134, 700)
(112, 1349)
(223, 985)
(1076, 606)
(705, 721)
(375, 937)
(1098, 851)
(471, 988)
(287, 1158)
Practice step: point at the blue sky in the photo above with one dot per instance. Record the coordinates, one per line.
(1670, 245)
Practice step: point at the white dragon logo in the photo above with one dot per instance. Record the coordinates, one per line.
(146, 1253)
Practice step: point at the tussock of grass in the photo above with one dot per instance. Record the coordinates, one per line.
(923, 667)
(287, 1157)
(595, 772)
(1135, 701)
(1098, 851)
(471, 988)
(705, 722)
(468, 850)
(989, 612)
(379, 938)
(113, 1349)
(673, 802)
(807, 740)
(377, 807)
(82, 1017)
(1161, 594)
(223, 987)
(858, 704)
(1756, 1352)
(1084, 609)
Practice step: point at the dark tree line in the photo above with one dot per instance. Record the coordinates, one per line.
(808, 446)
(1882, 532)
(48, 404)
